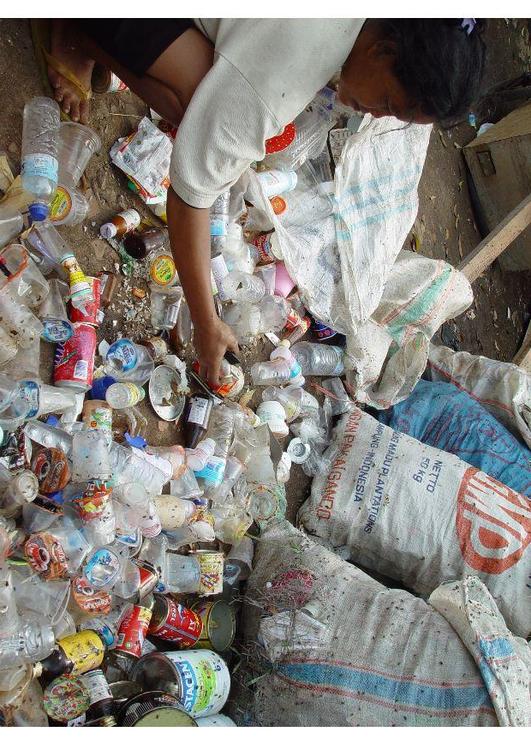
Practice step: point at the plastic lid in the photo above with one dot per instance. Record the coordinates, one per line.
(38, 211)
(108, 230)
(298, 451)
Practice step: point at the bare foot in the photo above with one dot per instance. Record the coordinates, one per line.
(65, 46)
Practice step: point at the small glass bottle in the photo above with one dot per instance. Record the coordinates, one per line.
(120, 224)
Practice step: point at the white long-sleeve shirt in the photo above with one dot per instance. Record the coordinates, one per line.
(265, 72)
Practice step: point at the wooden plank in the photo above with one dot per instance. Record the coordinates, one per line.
(517, 123)
(495, 243)
(522, 358)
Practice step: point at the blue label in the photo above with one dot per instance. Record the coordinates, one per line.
(28, 393)
(122, 355)
(40, 165)
(57, 330)
(213, 472)
(218, 227)
(101, 568)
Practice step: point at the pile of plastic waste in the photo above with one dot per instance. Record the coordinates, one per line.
(121, 562)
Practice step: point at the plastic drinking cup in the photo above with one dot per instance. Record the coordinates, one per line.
(77, 144)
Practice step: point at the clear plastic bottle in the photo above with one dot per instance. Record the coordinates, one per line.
(281, 368)
(221, 429)
(142, 513)
(124, 395)
(40, 145)
(319, 359)
(296, 401)
(165, 306)
(243, 287)
(18, 320)
(219, 222)
(90, 456)
(197, 457)
(31, 643)
(129, 362)
(11, 224)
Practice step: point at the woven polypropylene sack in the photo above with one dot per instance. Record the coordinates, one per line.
(355, 653)
(422, 516)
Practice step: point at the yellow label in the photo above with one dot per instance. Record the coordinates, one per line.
(85, 650)
(163, 270)
(61, 204)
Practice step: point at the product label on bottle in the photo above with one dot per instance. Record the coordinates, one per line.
(97, 686)
(133, 630)
(131, 218)
(46, 556)
(162, 270)
(61, 204)
(40, 165)
(85, 650)
(98, 418)
(218, 226)
(56, 330)
(213, 471)
(199, 411)
(88, 599)
(123, 355)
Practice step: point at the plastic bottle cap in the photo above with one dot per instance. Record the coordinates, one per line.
(298, 451)
(108, 230)
(38, 211)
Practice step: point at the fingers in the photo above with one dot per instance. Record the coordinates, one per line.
(84, 112)
(213, 371)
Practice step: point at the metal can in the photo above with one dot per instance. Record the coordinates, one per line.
(104, 81)
(173, 622)
(91, 314)
(216, 720)
(219, 624)
(211, 564)
(133, 630)
(73, 365)
(199, 679)
(148, 578)
(154, 708)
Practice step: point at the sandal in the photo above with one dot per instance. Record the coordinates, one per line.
(40, 34)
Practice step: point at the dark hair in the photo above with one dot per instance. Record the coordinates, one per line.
(439, 64)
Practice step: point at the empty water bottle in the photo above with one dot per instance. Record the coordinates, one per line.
(40, 142)
(11, 224)
(319, 359)
(32, 642)
(129, 362)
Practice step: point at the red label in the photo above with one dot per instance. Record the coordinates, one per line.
(263, 244)
(74, 359)
(46, 556)
(180, 625)
(133, 631)
(148, 580)
(493, 523)
(88, 599)
(91, 308)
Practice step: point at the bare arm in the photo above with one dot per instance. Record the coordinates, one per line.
(189, 230)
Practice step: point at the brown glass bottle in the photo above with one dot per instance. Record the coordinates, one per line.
(139, 244)
(100, 711)
(196, 420)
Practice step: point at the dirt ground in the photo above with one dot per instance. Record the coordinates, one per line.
(445, 225)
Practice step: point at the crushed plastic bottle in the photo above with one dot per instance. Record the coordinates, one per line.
(40, 144)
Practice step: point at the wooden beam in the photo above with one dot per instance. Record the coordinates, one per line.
(497, 241)
(522, 358)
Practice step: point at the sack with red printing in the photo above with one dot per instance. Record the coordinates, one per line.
(421, 515)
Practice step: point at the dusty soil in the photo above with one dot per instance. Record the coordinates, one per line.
(445, 225)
